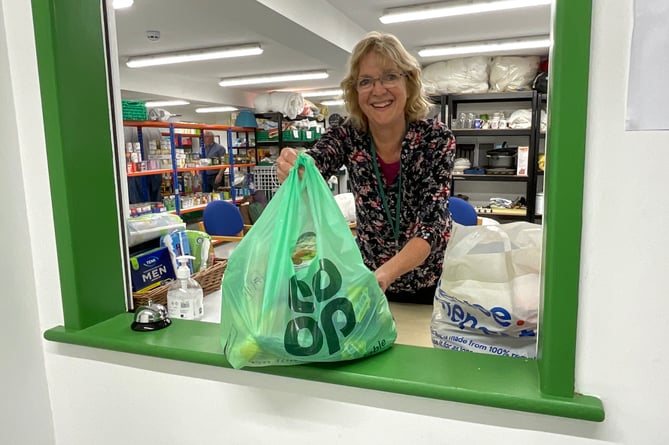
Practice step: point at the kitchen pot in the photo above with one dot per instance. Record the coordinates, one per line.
(501, 158)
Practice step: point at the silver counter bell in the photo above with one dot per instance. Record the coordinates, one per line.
(151, 317)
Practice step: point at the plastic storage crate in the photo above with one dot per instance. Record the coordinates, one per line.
(263, 136)
(264, 178)
(293, 135)
(133, 110)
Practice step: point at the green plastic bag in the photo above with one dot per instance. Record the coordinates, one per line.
(296, 290)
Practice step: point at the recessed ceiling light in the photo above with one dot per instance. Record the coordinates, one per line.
(222, 109)
(331, 103)
(488, 47)
(322, 93)
(194, 55)
(454, 8)
(272, 78)
(120, 4)
(165, 103)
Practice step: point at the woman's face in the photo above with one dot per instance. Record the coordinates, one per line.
(383, 105)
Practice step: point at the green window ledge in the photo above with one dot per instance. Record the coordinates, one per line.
(69, 37)
(479, 379)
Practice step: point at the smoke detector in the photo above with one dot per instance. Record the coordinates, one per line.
(153, 36)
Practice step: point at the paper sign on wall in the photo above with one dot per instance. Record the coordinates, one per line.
(648, 91)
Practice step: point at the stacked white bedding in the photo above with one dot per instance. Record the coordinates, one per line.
(288, 103)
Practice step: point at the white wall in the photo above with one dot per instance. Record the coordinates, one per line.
(24, 270)
(104, 397)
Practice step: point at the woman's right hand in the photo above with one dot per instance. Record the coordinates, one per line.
(286, 160)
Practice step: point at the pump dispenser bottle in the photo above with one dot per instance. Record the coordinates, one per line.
(184, 296)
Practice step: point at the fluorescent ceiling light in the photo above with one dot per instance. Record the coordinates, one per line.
(165, 103)
(120, 4)
(331, 103)
(493, 46)
(272, 78)
(322, 93)
(195, 55)
(215, 109)
(450, 9)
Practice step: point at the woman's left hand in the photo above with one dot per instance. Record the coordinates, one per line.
(383, 278)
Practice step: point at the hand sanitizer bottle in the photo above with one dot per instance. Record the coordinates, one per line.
(184, 296)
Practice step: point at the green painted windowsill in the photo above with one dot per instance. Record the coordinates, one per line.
(479, 379)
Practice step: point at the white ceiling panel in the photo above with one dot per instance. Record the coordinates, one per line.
(295, 35)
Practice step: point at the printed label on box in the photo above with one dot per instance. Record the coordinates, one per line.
(150, 269)
(522, 161)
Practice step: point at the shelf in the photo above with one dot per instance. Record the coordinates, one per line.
(484, 101)
(284, 143)
(202, 168)
(510, 178)
(190, 209)
(201, 207)
(209, 167)
(273, 115)
(179, 132)
(520, 213)
(186, 125)
(492, 97)
(500, 133)
(150, 172)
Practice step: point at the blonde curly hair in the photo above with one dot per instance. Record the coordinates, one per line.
(388, 47)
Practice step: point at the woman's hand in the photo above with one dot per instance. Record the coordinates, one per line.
(383, 278)
(412, 255)
(286, 160)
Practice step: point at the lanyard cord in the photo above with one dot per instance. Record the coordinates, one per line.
(394, 222)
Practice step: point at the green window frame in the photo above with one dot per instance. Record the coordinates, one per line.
(76, 102)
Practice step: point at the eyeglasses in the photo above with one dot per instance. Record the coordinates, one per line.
(388, 80)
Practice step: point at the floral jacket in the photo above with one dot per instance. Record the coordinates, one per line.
(427, 156)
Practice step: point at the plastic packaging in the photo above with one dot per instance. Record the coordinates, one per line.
(513, 73)
(185, 296)
(296, 289)
(461, 75)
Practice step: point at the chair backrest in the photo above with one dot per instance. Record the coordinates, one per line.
(222, 218)
(462, 211)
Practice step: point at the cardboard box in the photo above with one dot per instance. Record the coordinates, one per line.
(522, 161)
(150, 269)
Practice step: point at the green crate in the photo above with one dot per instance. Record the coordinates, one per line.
(293, 135)
(310, 134)
(134, 110)
(263, 136)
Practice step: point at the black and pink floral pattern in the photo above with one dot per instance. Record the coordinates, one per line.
(427, 156)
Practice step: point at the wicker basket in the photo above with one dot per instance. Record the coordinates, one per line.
(209, 279)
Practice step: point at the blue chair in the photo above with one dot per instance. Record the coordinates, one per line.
(462, 211)
(222, 220)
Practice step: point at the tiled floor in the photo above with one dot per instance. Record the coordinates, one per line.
(413, 323)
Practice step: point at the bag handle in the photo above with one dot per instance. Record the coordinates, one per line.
(292, 194)
(472, 239)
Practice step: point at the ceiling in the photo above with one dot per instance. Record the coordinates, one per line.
(295, 35)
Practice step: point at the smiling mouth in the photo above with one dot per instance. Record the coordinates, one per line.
(382, 104)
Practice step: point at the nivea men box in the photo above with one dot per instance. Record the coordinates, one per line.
(150, 269)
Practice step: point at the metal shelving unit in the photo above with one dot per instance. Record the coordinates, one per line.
(171, 126)
(452, 104)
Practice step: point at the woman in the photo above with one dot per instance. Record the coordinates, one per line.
(399, 166)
